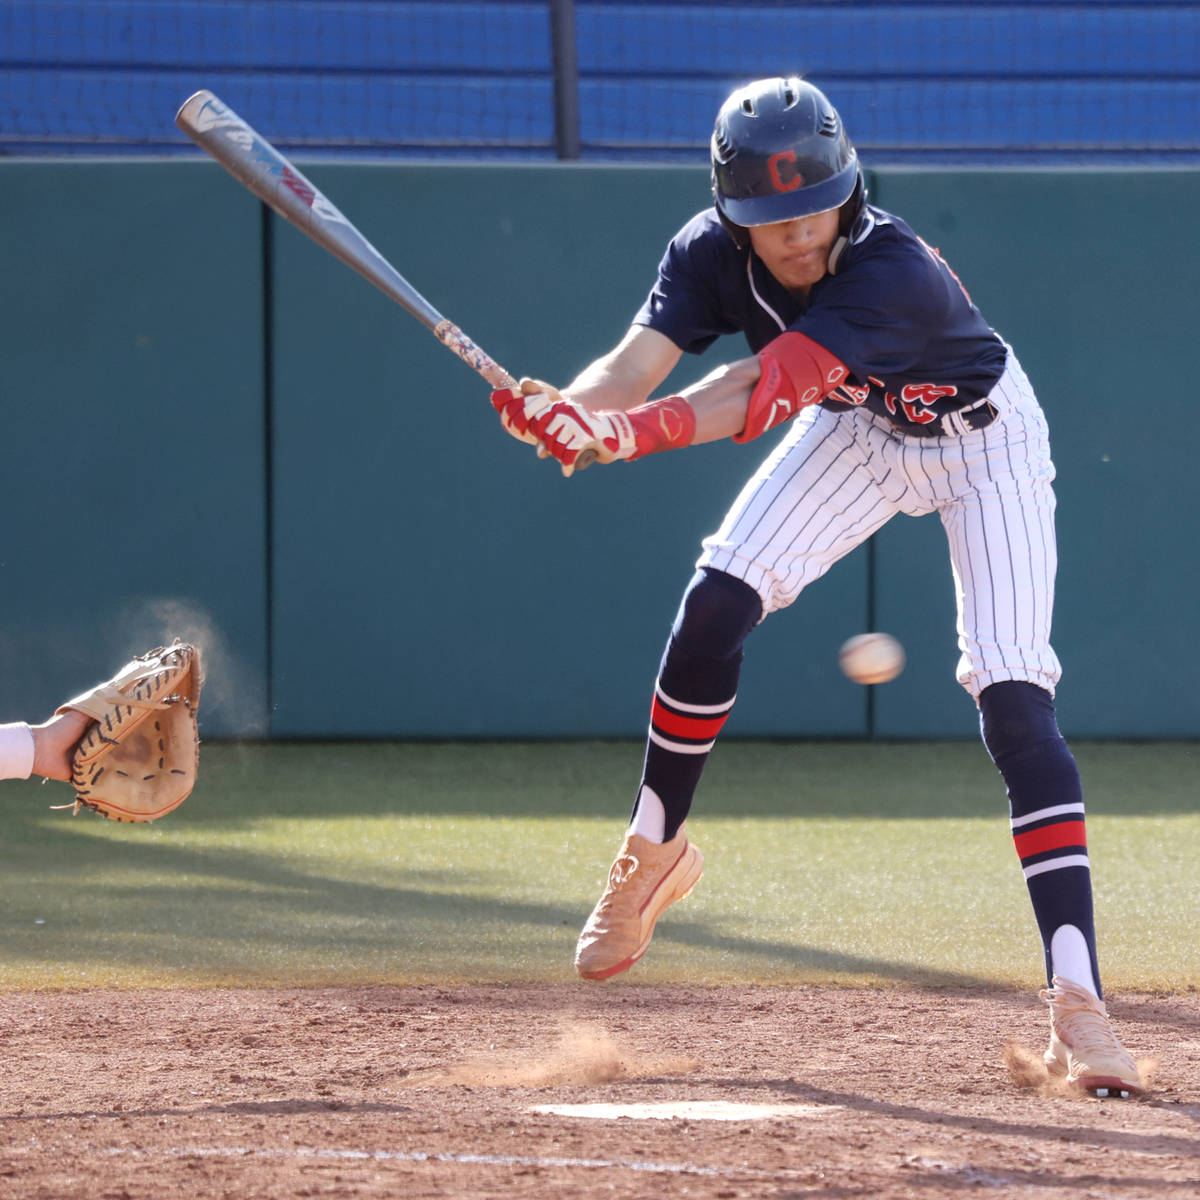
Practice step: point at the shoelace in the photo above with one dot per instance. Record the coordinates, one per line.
(1081, 1024)
(620, 872)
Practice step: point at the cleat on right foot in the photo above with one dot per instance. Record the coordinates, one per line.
(1083, 1046)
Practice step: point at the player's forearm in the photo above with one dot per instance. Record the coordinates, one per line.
(605, 414)
(753, 395)
(628, 374)
(719, 400)
(605, 385)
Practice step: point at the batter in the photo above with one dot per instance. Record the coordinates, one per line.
(901, 398)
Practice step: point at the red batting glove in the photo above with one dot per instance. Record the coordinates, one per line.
(566, 431)
(518, 405)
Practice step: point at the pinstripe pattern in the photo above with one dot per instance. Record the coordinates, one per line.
(837, 477)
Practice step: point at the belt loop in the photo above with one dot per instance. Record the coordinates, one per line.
(954, 424)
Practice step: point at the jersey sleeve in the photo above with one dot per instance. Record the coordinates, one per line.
(689, 300)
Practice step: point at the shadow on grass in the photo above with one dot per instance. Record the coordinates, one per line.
(814, 959)
(146, 896)
(244, 781)
(235, 898)
(251, 780)
(232, 909)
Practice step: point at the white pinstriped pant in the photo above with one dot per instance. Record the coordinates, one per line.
(838, 476)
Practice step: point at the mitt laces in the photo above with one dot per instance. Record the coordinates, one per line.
(115, 696)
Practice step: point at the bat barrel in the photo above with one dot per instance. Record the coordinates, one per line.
(258, 166)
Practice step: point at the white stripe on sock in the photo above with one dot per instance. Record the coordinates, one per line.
(1042, 813)
(694, 708)
(680, 747)
(1056, 864)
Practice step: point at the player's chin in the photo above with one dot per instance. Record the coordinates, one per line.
(801, 273)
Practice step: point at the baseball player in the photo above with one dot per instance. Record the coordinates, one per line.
(897, 397)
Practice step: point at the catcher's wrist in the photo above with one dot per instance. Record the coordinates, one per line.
(668, 424)
(16, 751)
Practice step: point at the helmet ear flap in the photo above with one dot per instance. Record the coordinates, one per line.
(851, 209)
(847, 218)
(741, 238)
(739, 233)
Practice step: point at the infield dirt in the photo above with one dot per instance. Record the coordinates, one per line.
(435, 1091)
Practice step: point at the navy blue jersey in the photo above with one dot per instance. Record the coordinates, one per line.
(915, 345)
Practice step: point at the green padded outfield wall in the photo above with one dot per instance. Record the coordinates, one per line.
(338, 514)
(131, 381)
(436, 575)
(1091, 276)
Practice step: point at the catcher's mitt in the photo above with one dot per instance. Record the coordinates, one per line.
(138, 759)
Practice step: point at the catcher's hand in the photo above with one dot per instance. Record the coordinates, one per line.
(138, 758)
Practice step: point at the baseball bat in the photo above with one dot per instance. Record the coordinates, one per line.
(256, 164)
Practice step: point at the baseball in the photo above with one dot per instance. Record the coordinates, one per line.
(871, 658)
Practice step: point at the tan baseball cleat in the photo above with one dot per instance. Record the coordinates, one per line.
(644, 880)
(1083, 1045)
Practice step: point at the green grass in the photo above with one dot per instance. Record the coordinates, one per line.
(339, 863)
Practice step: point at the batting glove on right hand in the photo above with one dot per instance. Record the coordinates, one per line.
(565, 431)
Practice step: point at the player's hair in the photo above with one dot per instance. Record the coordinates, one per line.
(780, 151)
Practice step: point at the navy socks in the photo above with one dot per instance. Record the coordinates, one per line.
(695, 693)
(696, 687)
(1047, 813)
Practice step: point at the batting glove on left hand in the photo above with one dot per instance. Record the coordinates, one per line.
(518, 406)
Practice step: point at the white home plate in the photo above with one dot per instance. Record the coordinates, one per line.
(689, 1110)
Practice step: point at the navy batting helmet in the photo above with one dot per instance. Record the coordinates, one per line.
(779, 151)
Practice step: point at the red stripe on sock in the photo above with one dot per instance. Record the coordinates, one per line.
(700, 728)
(1050, 837)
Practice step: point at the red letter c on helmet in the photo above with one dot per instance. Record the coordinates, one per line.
(794, 178)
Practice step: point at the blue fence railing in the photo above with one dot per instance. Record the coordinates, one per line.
(938, 82)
